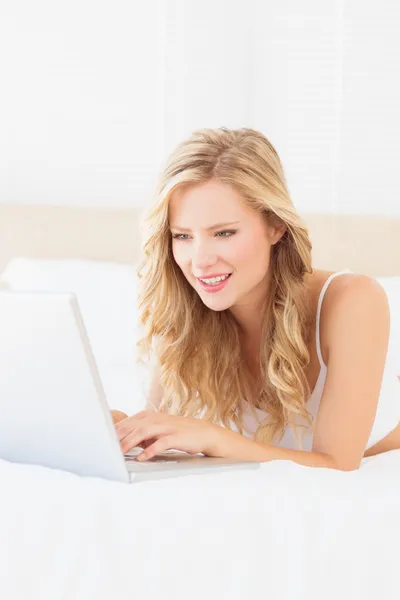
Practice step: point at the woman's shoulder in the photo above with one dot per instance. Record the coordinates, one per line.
(337, 286)
(344, 282)
(346, 285)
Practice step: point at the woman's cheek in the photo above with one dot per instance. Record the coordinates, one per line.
(179, 257)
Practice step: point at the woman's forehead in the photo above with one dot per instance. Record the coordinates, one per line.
(213, 201)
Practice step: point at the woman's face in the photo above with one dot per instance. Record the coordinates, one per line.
(215, 234)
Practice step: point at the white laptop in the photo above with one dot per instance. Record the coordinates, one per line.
(53, 409)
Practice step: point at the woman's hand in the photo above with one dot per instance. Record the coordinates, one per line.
(118, 415)
(158, 432)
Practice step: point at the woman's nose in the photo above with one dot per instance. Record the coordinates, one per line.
(203, 257)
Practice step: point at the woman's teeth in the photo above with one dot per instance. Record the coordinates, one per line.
(215, 280)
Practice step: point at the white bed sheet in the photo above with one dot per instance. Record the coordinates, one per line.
(286, 532)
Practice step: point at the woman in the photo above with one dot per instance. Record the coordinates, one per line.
(250, 364)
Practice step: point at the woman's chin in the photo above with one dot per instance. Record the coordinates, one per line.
(217, 305)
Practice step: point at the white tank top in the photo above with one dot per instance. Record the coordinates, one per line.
(388, 410)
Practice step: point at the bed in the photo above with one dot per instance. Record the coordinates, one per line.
(286, 531)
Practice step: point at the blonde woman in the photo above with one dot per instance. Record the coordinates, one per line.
(258, 356)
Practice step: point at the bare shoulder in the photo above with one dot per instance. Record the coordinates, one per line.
(344, 296)
(349, 288)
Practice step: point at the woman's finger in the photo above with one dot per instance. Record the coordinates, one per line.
(146, 443)
(137, 436)
(161, 445)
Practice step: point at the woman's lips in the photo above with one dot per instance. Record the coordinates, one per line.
(214, 288)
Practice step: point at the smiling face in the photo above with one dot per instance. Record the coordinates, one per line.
(203, 248)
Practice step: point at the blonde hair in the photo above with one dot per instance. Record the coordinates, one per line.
(201, 364)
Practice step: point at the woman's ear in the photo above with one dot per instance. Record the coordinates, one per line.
(276, 233)
(276, 228)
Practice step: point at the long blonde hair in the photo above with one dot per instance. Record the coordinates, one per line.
(200, 360)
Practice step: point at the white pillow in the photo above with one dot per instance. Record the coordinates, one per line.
(106, 293)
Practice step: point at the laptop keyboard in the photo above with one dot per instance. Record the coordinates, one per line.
(131, 456)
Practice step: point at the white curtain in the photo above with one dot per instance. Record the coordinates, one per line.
(96, 94)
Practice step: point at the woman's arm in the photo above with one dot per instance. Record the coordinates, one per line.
(358, 327)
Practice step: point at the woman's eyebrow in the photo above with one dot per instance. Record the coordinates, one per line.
(211, 227)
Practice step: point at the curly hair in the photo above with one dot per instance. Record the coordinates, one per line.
(202, 366)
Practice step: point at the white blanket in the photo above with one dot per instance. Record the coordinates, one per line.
(285, 532)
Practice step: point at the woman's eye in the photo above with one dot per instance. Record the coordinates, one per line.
(229, 232)
(180, 236)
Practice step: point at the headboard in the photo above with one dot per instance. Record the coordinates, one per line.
(365, 244)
